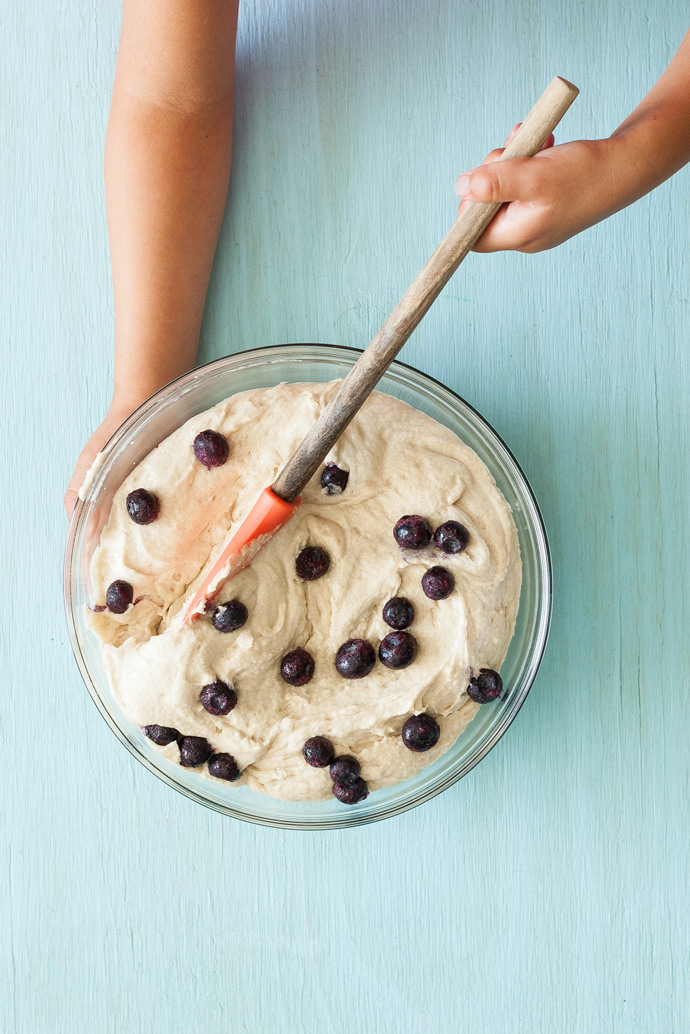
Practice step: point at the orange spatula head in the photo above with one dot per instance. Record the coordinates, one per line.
(268, 514)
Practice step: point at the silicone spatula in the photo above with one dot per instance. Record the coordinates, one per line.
(280, 500)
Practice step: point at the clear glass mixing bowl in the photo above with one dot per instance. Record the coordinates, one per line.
(260, 368)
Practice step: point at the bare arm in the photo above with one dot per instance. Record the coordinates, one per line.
(167, 168)
(567, 188)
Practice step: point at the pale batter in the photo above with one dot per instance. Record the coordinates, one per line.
(400, 462)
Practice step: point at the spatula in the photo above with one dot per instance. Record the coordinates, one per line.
(280, 500)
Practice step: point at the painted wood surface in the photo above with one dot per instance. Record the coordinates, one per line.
(550, 889)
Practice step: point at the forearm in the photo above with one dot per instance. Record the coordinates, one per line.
(653, 142)
(167, 166)
(164, 215)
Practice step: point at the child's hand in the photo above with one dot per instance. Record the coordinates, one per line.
(549, 198)
(114, 417)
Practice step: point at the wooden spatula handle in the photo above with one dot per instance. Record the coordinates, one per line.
(375, 360)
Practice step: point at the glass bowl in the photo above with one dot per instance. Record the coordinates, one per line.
(202, 388)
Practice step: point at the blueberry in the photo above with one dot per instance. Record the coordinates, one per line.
(318, 752)
(344, 770)
(211, 448)
(229, 616)
(224, 766)
(161, 734)
(118, 596)
(412, 532)
(358, 791)
(485, 687)
(398, 612)
(355, 659)
(420, 732)
(398, 649)
(143, 506)
(334, 479)
(194, 750)
(438, 583)
(218, 697)
(297, 667)
(451, 537)
(312, 563)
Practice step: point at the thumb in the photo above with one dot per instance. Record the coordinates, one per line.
(70, 500)
(76, 481)
(513, 180)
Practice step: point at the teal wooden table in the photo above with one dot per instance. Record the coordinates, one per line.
(549, 890)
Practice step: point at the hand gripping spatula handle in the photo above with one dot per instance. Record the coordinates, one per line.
(279, 501)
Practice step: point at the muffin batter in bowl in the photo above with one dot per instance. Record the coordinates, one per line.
(399, 463)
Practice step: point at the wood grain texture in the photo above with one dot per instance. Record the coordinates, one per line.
(550, 889)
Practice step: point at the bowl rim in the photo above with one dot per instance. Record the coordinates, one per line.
(350, 817)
